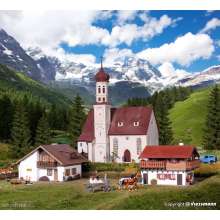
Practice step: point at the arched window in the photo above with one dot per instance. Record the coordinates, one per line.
(99, 89)
(103, 99)
(103, 89)
(139, 148)
(115, 146)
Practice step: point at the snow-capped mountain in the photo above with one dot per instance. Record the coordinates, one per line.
(130, 71)
(204, 78)
(14, 56)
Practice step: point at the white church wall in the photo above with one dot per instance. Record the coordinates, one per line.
(82, 147)
(127, 142)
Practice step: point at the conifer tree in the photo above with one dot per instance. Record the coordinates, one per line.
(20, 132)
(211, 138)
(6, 116)
(43, 134)
(77, 118)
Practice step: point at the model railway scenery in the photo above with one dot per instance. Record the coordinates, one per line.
(121, 112)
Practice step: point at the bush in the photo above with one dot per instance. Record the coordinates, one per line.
(153, 182)
(101, 167)
(44, 178)
(207, 170)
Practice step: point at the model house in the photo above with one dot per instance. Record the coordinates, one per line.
(116, 134)
(54, 162)
(168, 165)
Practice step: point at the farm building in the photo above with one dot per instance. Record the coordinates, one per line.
(116, 134)
(55, 162)
(168, 165)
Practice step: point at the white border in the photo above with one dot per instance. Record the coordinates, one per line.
(110, 4)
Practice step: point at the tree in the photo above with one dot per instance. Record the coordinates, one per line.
(6, 116)
(43, 134)
(211, 137)
(165, 130)
(77, 118)
(20, 132)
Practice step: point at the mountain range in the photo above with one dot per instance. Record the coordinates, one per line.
(138, 77)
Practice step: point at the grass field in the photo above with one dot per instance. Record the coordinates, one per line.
(189, 115)
(72, 195)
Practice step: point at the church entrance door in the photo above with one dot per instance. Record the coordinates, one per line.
(127, 156)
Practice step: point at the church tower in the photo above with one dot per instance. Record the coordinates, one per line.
(102, 117)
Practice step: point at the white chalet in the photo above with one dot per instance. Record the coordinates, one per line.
(55, 162)
(118, 134)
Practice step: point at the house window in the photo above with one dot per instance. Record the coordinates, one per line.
(120, 124)
(49, 172)
(67, 172)
(115, 146)
(73, 171)
(136, 123)
(138, 142)
(127, 138)
(103, 89)
(99, 89)
(80, 144)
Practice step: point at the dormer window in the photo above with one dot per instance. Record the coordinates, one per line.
(120, 124)
(136, 123)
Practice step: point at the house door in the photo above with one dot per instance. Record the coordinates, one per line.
(145, 178)
(179, 179)
(55, 175)
(127, 156)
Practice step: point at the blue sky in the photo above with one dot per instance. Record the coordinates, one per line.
(173, 41)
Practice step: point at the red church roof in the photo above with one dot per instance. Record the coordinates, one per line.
(167, 151)
(102, 76)
(88, 128)
(126, 115)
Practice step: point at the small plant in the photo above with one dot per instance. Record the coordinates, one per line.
(153, 182)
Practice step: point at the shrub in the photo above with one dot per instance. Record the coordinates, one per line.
(153, 182)
(44, 178)
(207, 170)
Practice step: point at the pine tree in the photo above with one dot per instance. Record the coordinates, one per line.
(20, 132)
(77, 118)
(211, 138)
(165, 130)
(43, 134)
(6, 116)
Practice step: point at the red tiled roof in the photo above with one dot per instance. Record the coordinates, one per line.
(88, 128)
(102, 76)
(129, 115)
(64, 153)
(167, 151)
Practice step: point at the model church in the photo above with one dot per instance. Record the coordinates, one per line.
(116, 134)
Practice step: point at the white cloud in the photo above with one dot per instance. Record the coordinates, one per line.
(168, 70)
(50, 28)
(125, 15)
(184, 50)
(115, 55)
(211, 25)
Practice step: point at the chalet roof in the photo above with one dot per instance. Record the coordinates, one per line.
(62, 153)
(168, 152)
(125, 115)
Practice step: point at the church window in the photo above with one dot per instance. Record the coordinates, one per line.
(120, 124)
(103, 89)
(99, 99)
(136, 123)
(103, 99)
(139, 149)
(115, 146)
(99, 89)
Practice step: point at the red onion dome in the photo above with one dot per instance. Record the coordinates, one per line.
(102, 76)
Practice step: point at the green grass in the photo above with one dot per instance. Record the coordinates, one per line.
(72, 195)
(190, 115)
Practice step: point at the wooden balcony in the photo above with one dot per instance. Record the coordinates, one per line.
(153, 164)
(46, 164)
(167, 165)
